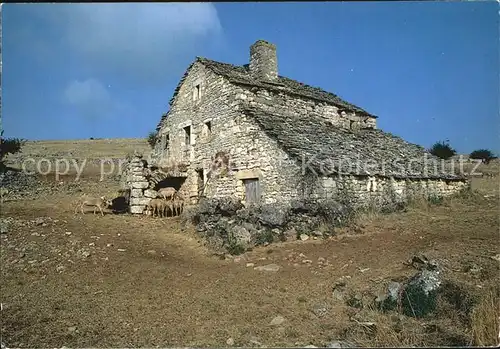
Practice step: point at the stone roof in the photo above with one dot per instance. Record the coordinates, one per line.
(334, 149)
(241, 75)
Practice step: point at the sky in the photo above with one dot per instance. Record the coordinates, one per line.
(428, 70)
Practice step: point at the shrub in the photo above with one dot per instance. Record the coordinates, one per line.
(442, 150)
(483, 154)
(9, 146)
(152, 138)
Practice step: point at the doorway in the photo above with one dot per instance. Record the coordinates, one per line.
(252, 190)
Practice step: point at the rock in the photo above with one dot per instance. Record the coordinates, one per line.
(420, 292)
(320, 309)
(310, 346)
(339, 290)
(268, 267)
(304, 237)
(137, 209)
(355, 301)
(68, 233)
(278, 320)
(150, 193)
(341, 344)
(230, 342)
(389, 300)
(250, 265)
(4, 227)
(121, 250)
(139, 201)
(496, 257)
(273, 215)
(255, 341)
(72, 329)
(39, 221)
(136, 193)
(242, 236)
(140, 185)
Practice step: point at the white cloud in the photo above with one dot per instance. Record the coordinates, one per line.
(136, 40)
(89, 98)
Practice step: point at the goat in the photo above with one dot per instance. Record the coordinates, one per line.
(167, 192)
(126, 194)
(157, 206)
(177, 205)
(99, 203)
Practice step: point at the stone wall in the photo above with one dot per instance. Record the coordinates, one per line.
(134, 178)
(279, 101)
(251, 153)
(381, 190)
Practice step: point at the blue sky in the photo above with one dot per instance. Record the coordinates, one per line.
(429, 70)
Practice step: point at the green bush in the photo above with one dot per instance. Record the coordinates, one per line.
(152, 138)
(483, 154)
(442, 150)
(9, 146)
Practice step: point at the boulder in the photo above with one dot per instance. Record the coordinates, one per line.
(273, 215)
(241, 236)
(420, 292)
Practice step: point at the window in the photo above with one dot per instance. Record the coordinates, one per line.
(252, 190)
(208, 129)
(167, 141)
(187, 135)
(197, 92)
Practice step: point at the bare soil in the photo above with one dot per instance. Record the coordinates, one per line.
(126, 281)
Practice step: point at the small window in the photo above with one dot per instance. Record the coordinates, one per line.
(167, 141)
(187, 135)
(197, 92)
(208, 129)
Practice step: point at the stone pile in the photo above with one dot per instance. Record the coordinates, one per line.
(227, 225)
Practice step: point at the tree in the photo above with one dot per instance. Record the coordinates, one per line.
(152, 138)
(442, 150)
(9, 146)
(483, 154)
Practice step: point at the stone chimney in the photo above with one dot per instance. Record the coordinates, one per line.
(263, 61)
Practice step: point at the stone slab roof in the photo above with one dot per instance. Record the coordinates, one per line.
(241, 75)
(372, 152)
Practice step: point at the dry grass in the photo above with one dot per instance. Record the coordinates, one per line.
(166, 289)
(485, 319)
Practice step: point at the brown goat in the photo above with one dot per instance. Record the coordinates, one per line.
(97, 203)
(167, 192)
(157, 206)
(177, 205)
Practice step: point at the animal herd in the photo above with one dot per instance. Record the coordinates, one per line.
(167, 201)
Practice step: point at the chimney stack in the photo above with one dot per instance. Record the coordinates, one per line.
(263, 61)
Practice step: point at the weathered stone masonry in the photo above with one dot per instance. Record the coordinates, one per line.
(266, 127)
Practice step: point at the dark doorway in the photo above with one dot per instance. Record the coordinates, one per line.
(174, 182)
(252, 190)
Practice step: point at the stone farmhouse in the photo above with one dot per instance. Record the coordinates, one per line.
(249, 133)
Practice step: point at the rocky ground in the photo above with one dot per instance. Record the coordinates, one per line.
(125, 281)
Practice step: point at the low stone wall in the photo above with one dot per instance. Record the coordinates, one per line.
(227, 225)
